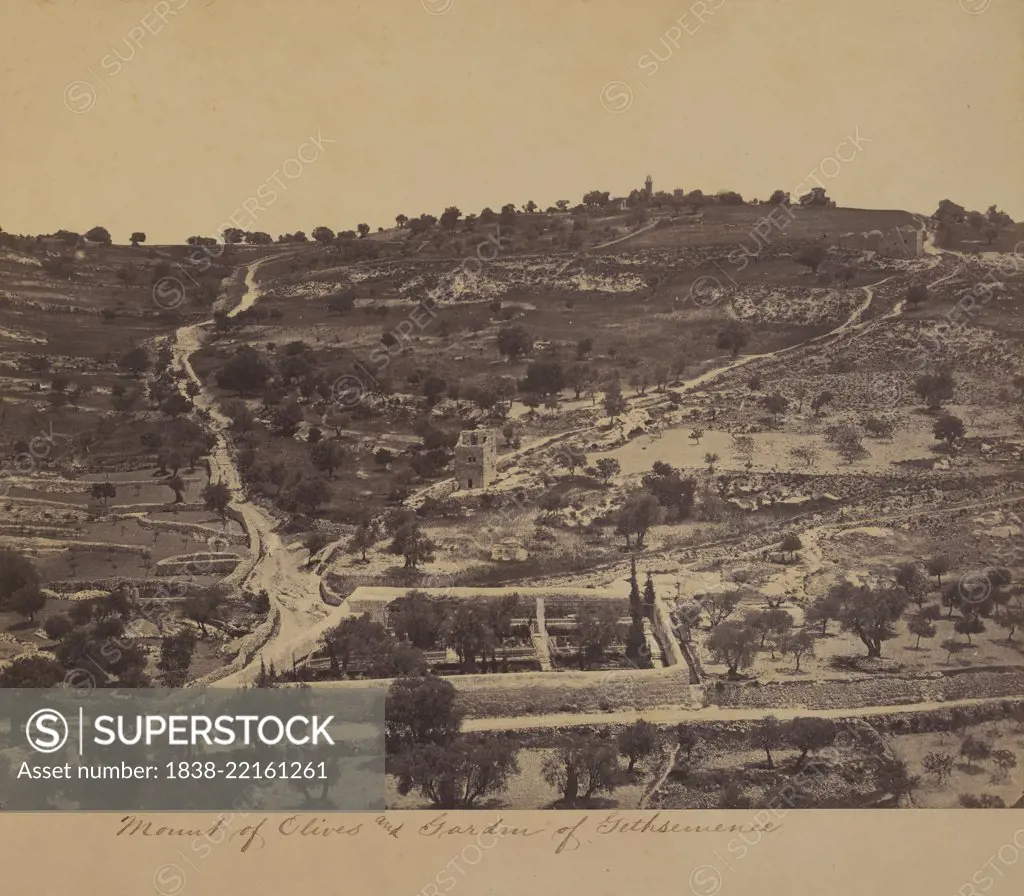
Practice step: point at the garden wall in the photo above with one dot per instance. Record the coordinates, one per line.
(374, 600)
(671, 648)
(548, 693)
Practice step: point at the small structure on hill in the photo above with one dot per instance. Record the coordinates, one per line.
(509, 550)
(899, 242)
(913, 242)
(476, 458)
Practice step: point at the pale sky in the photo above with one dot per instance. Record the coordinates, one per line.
(486, 102)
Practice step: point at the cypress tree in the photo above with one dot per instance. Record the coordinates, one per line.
(649, 598)
(635, 605)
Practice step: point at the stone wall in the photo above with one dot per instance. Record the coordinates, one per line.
(671, 647)
(197, 564)
(248, 648)
(246, 565)
(548, 693)
(907, 242)
(238, 538)
(850, 693)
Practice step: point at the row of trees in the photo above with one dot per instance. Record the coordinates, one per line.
(973, 750)
(988, 224)
(428, 752)
(593, 201)
(448, 220)
(92, 641)
(475, 630)
(96, 234)
(869, 613)
(736, 643)
(478, 632)
(872, 614)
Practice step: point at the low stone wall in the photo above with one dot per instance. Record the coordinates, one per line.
(83, 594)
(518, 694)
(198, 564)
(245, 565)
(965, 685)
(692, 663)
(123, 511)
(950, 719)
(31, 530)
(722, 734)
(232, 513)
(148, 589)
(548, 693)
(374, 600)
(329, 596)
(112, 583)
(671, 647)
(98, 547)
(249, 647)
(851, 693)
(238, 538)
(558, 606)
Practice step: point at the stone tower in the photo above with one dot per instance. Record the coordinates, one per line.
(913, 241)
(476, 455)
(649, 187)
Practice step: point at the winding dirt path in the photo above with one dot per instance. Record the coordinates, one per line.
(294, 590)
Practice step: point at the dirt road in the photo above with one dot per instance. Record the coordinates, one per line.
(294, 590)
(675, 715)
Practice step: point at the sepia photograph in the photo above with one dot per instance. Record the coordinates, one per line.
(631, 395)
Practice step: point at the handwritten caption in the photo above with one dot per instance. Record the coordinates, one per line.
(560, 838)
